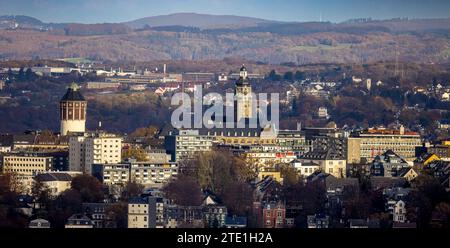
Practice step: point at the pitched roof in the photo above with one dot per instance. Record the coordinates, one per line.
(73, 94)
(52, 176)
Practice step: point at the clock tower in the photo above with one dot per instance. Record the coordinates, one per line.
(243, 93)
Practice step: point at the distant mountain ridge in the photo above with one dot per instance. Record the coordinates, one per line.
(190, 36)
(198, 21)
(227, 23)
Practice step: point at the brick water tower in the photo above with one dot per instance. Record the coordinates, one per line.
(73, 111)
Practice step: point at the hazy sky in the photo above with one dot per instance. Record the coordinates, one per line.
(95, 11)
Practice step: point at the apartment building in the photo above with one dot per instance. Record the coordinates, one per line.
(152, 174)
(185, 144)
(144, 212)
(93, 148)
(148, 173)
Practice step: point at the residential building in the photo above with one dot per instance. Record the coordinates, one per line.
(266, 161)
(151, 174)
(399, 212)
(56, 182)
(112, 174)
(276, 175)
(79, 221)
(185, 144)
(408, 173)
(318, 221)
(305, 169)
(97, 212)
(274, 215)
(322, 112)
(328, 162)
(214, 215)
(39, 223)
(93, 148)
(388, 164)
(143, 212)
(365, 146)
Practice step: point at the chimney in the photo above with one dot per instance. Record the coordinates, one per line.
(299, 126)
(402, 129)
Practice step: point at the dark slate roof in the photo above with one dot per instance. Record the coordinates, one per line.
(333, 182)
(138, 200)
(73, 94)
(6, 140)
(385, 182)
(48, 177)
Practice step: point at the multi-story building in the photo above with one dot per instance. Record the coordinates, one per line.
(93, 148)
(441, 150)
(142, 212)
(318, 221)
(56, 182)
(198, 77)
(365, 146)
(97, 212)
(328, 162)
(112, 174)
(185, 144)
(274, 215)
(149, 174)
(152, 174)
(26, 164)
(267, 160)
(388, 164)
(305, 169)
(73, 111)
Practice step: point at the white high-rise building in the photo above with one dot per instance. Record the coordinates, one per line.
(73, 111)
(94, 148)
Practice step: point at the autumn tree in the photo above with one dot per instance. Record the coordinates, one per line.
(41, 193)
(131, 190)
(118, 214)
(134, 153)
(184, 191)
(89, 188)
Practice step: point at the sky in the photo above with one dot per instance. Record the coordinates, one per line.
(100, 11)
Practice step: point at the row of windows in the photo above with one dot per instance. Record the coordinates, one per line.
(27, 159)
(24, 165)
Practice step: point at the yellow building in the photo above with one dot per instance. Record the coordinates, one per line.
(365, 146)
(276, 175)
(25, 164)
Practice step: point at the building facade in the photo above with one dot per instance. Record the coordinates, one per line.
(73, 111)
(93, 148)
(365, 146)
